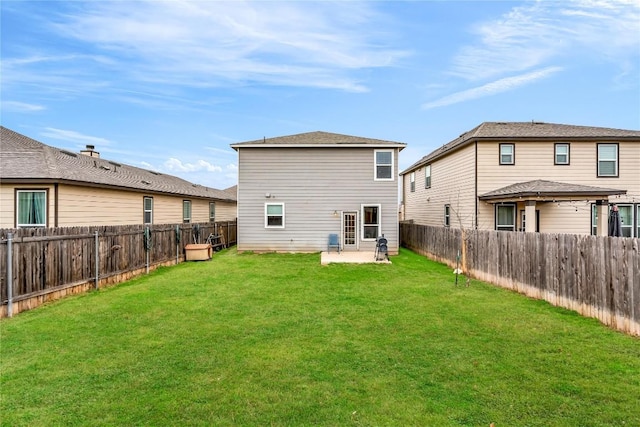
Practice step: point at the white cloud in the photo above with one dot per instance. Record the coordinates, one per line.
(312, 44)
(20, 107)
(73, 136)
(533, 35)
(232, 167)
(175, 165)
(492, 88)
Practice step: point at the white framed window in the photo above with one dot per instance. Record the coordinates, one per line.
(447, 215)
(627, 220)
(594, 219)
(561, 154)
(607, 160)
(274, 215)
(186, 211)
(371, 222)
(412, 179)
(212, 212)
(637, 220)
(427, 176)
(383, 165)
(506, 217)
(147, 206)
(31, 208)
(507, 154)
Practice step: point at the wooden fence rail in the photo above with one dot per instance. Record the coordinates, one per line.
(597, 276)
(49, 263)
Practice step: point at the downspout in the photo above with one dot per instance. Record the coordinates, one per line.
(55, 205)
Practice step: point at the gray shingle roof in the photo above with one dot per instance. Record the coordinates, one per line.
(546, 189)
(319, 139)
(527, 131)
(27, 160)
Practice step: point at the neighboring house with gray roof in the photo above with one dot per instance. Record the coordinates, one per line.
(528, 176)
(43, 186)
(294, 191)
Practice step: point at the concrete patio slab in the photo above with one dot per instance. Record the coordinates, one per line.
(350, 257)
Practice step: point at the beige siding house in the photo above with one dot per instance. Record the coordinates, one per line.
(528, 176)
(42, 186)
(294, 191)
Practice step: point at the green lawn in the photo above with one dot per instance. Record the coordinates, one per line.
(281, 340)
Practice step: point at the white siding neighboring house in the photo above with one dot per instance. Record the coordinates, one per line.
(293, 191)
(43, 186)
(528, 176)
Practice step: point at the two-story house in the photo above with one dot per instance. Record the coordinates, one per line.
(293, 191)
(43, 186)
(528, 176)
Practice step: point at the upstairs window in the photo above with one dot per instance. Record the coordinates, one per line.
(186, 211)
(607, 160)
(31, 208)
(370, 222)
(412, 178)
(212, 212)
(561, 156)
(427, 176)
(384, 165)
(507, 154)
(274, 215)
(148, 210)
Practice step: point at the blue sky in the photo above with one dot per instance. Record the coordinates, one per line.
(169, 85)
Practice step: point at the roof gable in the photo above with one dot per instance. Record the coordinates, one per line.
(23, 158)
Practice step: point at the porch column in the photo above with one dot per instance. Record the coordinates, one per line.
(530, 216)
(602, 207)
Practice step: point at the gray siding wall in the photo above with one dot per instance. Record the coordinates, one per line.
(312, 183)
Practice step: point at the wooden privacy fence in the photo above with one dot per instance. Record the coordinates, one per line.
(597, 276)
(48, 263)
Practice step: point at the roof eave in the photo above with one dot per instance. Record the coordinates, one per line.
(551, 196)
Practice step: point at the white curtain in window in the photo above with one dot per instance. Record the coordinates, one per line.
(31, 208)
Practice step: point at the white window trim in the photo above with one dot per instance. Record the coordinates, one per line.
(145, 210)
(412, 182)
(375, 165)
(362, 224)
(630, 226)
(447, 215)
(46, 203)
(266, 222)
(427, 176)
(187, 220)
(616, 160)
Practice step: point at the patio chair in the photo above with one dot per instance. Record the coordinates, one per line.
(334, 242)
(382, 250)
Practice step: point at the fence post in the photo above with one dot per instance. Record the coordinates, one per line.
(97, 259)
(9, 275)
(147, 245)
(177, 241)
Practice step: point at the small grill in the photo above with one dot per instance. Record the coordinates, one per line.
(382, 250)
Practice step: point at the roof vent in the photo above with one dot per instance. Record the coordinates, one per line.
(107, 168)
(90, 151)
(145, 182)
